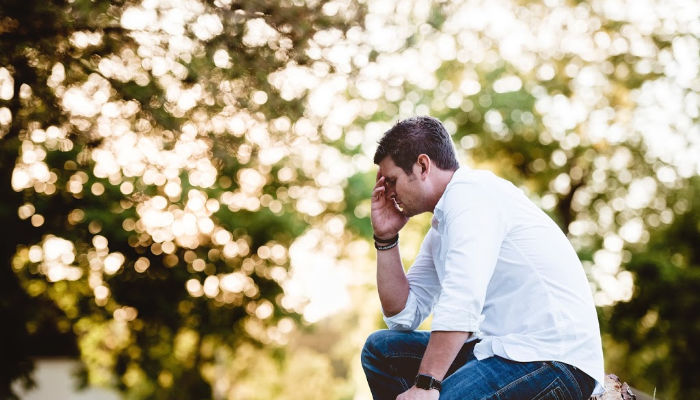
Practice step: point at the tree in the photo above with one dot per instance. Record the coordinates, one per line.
(152, 178)
(655, 331)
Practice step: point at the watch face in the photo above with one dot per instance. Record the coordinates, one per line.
(423, 381)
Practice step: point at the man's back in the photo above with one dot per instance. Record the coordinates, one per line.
(538, 302)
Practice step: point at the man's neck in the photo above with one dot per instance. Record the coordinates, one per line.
(441, 180)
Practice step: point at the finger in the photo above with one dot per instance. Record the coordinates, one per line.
(378, 192)
(380, 182)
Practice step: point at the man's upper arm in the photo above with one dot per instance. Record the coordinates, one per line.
(474, 230)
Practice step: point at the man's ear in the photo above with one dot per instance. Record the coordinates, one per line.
(424, 163)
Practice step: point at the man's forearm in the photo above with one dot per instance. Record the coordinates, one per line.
(391, 281)
(441, 352)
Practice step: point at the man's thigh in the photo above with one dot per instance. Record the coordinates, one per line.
(496, 378)
(402, 353)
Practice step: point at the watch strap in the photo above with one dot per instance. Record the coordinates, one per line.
(427, 382)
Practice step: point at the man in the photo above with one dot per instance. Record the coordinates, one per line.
(513, 316)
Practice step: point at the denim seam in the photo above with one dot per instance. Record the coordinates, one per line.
(567, 371)
(557, 390)
(522, 378)
(402, 355)
(404, 383)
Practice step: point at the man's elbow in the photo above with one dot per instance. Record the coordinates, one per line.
(391, 312)
(392, 309)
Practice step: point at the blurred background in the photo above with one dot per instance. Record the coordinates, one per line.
(184, 184)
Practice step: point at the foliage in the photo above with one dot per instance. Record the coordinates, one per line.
(652, 328)
(151, 177)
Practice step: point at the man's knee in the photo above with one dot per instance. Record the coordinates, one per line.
(384, 342)
(380, 343)
(374, 343)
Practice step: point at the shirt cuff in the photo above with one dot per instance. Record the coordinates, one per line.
(407, 319)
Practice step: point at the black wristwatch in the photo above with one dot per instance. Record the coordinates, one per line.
(427, 382)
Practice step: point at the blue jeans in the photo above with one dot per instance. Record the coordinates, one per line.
(391, 360)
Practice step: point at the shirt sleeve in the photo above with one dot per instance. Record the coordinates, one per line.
(424, 287)
(474, 228)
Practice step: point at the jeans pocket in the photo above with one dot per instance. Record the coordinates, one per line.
(553, 391)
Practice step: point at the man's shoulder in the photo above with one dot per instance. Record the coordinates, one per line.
(469, 183)
(468, 189)
(476, 176)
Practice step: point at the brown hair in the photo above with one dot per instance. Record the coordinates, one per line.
(409, 138)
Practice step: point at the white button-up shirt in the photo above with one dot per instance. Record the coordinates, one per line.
(496, 265)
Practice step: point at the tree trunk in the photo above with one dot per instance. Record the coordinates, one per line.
(615, 390)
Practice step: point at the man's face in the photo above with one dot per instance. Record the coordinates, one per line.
(402, 188)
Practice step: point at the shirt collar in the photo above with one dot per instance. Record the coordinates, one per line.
(438, 213)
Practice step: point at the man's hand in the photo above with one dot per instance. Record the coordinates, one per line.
(419, 394)
(387, 220)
